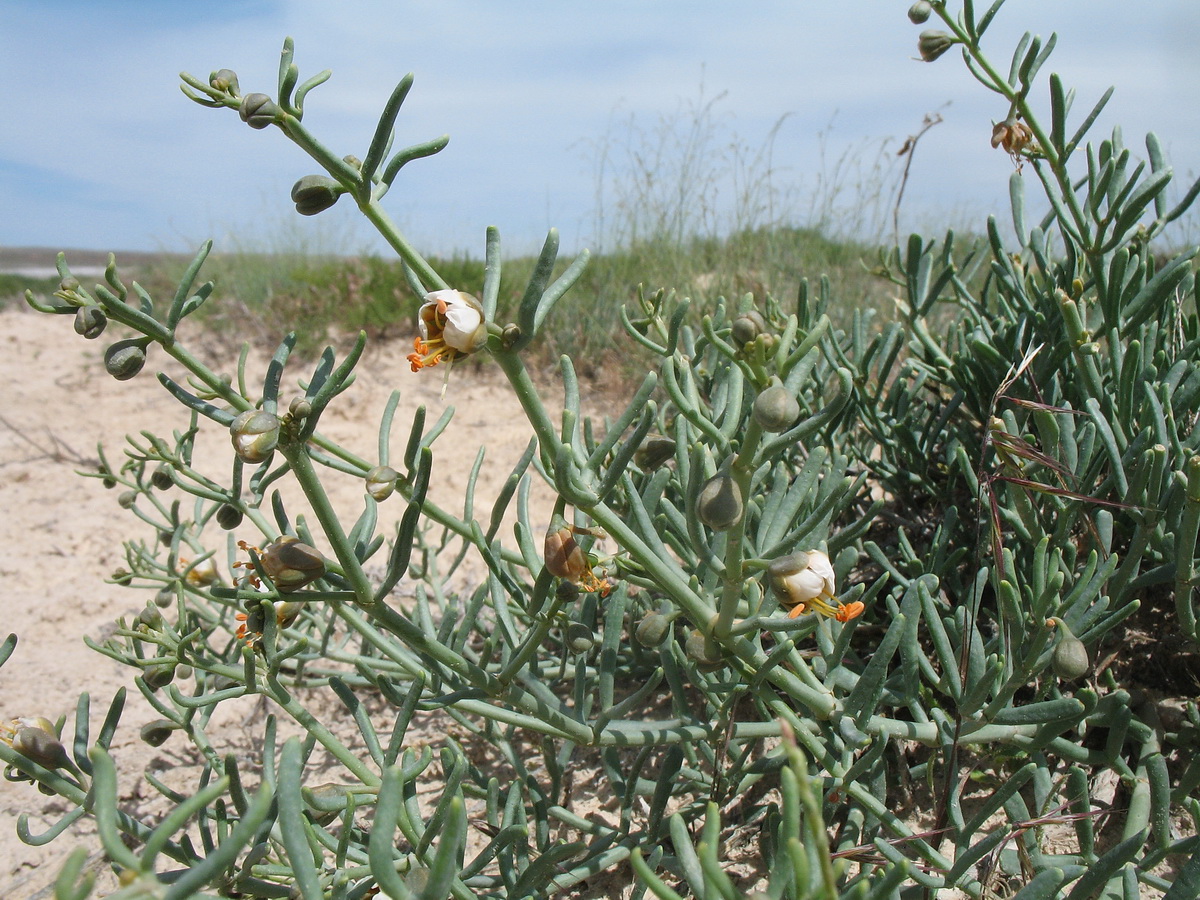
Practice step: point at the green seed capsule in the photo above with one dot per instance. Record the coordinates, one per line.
(932, 44)
(124, 359)
(1070, 659)
(156, 733)
(652, 629)
(919, 12)
(292, 564)
(164, 598)
(159, 675)
(162, 478)
(703, 651)
(315, 193)
(747, 327)
(580, 638)
(127, 499)
(258, 110)
(720, 503)
(775, 409)
(90, 321)
(655, 451)
(229, 517)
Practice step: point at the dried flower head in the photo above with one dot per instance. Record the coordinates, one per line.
(1013, 135)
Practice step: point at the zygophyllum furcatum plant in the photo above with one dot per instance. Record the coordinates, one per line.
(845, 603)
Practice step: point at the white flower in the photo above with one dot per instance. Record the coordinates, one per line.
(804, 582)
(451, 324)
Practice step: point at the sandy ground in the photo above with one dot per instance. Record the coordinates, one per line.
(62, 534)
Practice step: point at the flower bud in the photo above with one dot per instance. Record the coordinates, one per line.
(90, 321)
(126, 499)
(155, 733)
(164, 598)
(124, 359)
(162, 478)
(919, 12)
(229, 516)
(510, 335)
(381, 481)
(720, 503)
(652, 629)
(1070, 659)
(158, 675)
(655, 451)
(315, 193)
(224, 80)
(352, 161)
(34, 738)
(567, 591)
(122, 576)
(255, 434)
(747, 326)
(300, 408)
(258, 110)
(291, 564)
(931, 44)
(580, 638)
(775, 409)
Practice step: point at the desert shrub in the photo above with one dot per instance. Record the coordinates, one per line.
(819, 613)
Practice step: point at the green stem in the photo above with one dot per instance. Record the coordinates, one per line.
(733, 578)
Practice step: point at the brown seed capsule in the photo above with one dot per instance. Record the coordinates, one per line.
(291, 564)
(564, 557)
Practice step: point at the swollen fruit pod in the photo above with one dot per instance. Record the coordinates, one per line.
(258, 110)
(775, 409)
(124, 359)
(720, 503)
(315, 193)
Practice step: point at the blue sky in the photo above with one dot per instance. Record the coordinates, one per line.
(100, 150)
